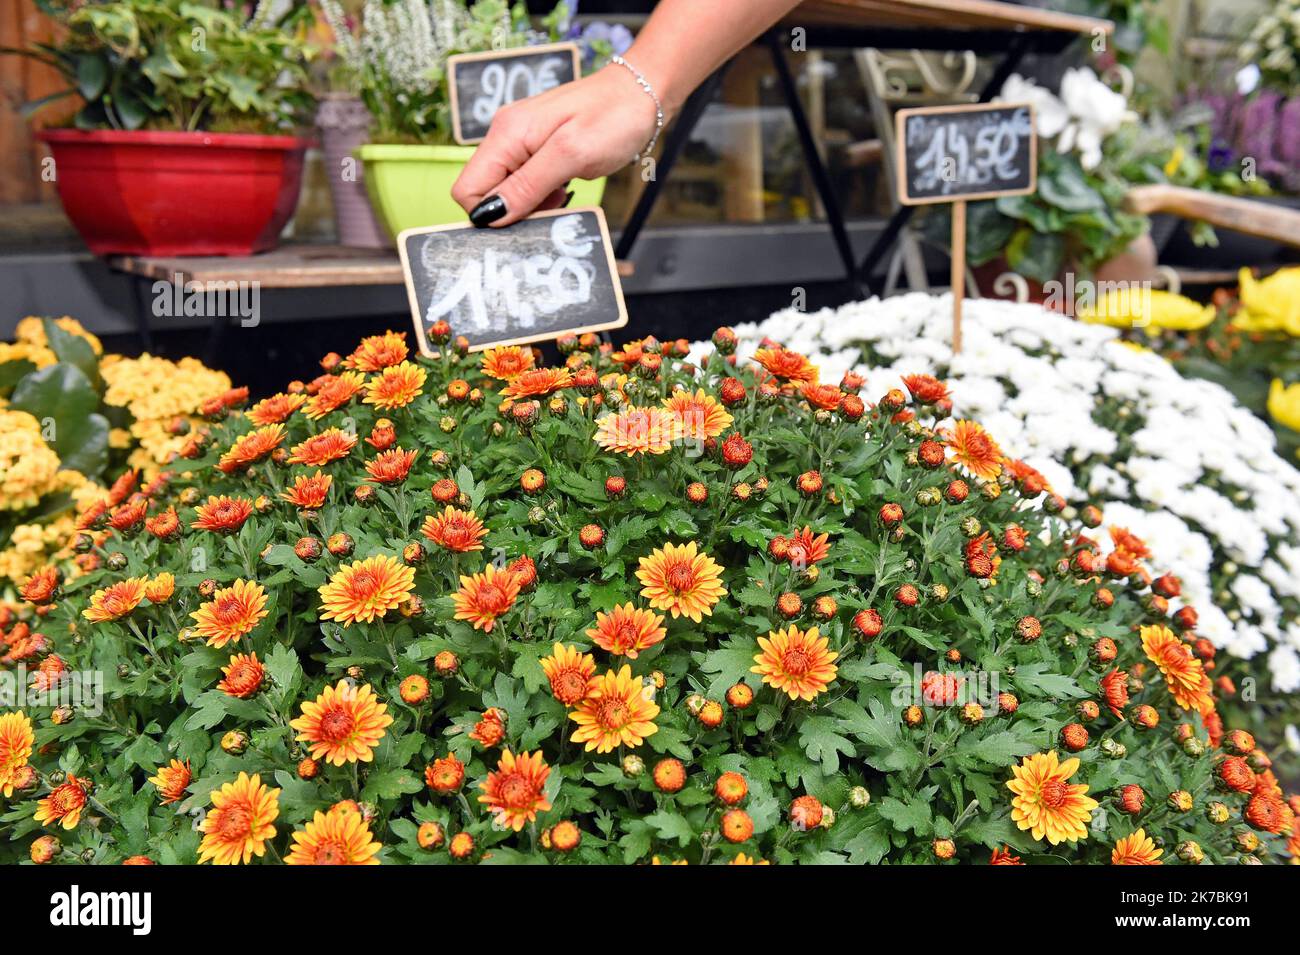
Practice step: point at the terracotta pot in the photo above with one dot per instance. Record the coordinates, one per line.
(344, 124)
(145, 192)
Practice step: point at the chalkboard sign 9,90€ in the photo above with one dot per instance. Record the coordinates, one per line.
(947, 153)
(481, 83)
(544, 276)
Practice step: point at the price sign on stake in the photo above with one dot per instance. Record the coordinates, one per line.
(540, 278)
(481, 83)
(957, 153)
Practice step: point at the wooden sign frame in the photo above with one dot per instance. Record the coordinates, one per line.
(553, 333)
(508, 54)
(900, 152)
(957, 265)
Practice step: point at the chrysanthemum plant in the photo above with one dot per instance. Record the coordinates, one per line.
(625, 610)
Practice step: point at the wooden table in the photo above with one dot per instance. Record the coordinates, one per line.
(297, 265)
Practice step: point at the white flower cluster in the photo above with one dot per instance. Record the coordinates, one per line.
(399, 40)
(1176, 461)
(1274, 42)
(1082, 118)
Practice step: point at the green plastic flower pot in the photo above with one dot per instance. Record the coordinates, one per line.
(410, 185)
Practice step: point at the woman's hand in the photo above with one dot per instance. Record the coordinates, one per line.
(581, 130)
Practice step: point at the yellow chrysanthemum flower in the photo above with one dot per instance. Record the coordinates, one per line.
(1046, 803)
(1271, 304)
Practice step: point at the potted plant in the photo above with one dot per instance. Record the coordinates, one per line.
(185, 143)
(343, 123)
(399, 55)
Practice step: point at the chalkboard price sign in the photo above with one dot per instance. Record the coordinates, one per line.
(481, 83)
(546, 275)
(946, 153)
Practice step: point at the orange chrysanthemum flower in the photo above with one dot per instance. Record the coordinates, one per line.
(116, 600)
(975, 450)
(243, 676)
(320, 449)
(1129, 544)
(789, 366)
(240, 821)
(39, 588)
(396, 386)
(699, 416)
(569, 671)
(391, 467)
(231, 613)
(627, 630)
(1183, 672)
(825, 397)
(171, 780)
(222, 515)
(337, 837)
(63, 805)
(335, 392)
(516, 791)
(484, 597)
(926, 389)
(800, 664)
(1046, 803)
(251, 447)
(803, 549)
(366, 589)
(682, 580)
(16, 739)
(377, 352)
(455, 530)
(1136, 849)
(275, 409)
(617, 711)
(344, 724)
(165, 525)
(507, 362)
(309, 491)
(638, 431)
(538, 382)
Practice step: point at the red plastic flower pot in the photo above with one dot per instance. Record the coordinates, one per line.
(174, 193)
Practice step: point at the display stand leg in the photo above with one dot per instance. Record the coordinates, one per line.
(679, 134)
(813, 159)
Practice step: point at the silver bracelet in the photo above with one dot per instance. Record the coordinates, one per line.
(659, 106)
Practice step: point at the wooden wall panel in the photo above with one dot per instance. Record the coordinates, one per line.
(21, 80)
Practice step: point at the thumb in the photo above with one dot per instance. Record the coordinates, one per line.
(535, 184)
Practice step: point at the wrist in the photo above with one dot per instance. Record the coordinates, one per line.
(660, 75)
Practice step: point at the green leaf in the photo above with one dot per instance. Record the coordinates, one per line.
(913, 814)
(819, 739)
(92, 75)
(670, 825)
(392, 784)
(74, 350)
(1035, 678)
(285, 670)
(62, 396)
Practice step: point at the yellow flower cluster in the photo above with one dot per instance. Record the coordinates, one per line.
(30, 342)
(28, 466)
(156, 392)
(1271, 304)
(1149, 308)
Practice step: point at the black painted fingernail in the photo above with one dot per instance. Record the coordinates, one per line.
(488, 211)
(568, 197)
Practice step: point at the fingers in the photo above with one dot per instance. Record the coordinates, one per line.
(514, 136)
(538, 183)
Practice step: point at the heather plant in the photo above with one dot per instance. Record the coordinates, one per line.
(394, 54)
(627, 609)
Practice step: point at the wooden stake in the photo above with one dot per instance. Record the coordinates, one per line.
(958, 269)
